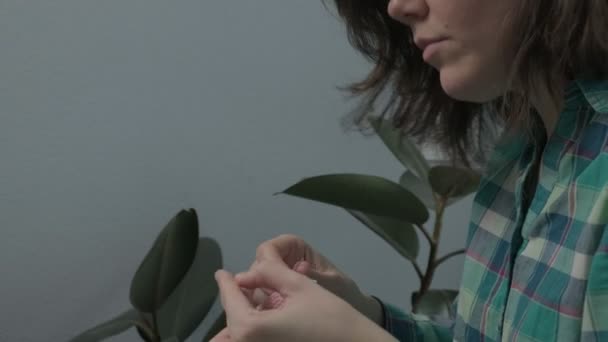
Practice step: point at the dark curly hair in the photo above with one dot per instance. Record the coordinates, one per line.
(553, 38)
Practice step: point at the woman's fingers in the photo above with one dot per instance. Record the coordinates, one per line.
(302, 267)
(246, 279)
(287, 248)
(271, 276)
(232, 297)
(249, 278)
(322, 279)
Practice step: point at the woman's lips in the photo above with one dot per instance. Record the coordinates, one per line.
(431, 50)
(429, 46)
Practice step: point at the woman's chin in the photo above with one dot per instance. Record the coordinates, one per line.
(464, 87)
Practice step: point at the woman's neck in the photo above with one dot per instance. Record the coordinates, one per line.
(549, 104)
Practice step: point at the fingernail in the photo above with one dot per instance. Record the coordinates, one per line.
(300, 267)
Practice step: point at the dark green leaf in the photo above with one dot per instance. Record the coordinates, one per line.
(419, 188)
(216, 328)
(422, 190)
(436, 303)
(398, 234)
(401, 147)
(188, 305)
(369, 194)
(171, 339)
(453, 181)
(166, 263)
(110, 328)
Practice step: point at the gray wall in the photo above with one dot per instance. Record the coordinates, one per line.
(115, 114)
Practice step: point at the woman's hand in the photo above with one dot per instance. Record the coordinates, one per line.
(298, 310)
(296, 254)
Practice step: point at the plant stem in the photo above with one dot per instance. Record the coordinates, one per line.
(417, 268)
(145, 329)
(425, 233)
(155, 323)
(441, 204)
(425, 283)
(449, 255)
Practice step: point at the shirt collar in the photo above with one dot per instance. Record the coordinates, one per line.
(595, 93)
(578, 94)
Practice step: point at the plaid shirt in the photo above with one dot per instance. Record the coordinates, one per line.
(536, 267)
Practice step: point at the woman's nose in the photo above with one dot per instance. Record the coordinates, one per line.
(407, 11)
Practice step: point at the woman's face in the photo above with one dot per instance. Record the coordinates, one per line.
(463, 40)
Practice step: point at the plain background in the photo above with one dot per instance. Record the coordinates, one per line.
(115, 114)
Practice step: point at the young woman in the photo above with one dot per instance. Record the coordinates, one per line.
(536, 267)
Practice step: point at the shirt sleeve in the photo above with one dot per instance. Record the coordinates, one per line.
(413, 327)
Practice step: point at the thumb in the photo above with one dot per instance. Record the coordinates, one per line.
(233, 299)
(306, 268)
(272, 275)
